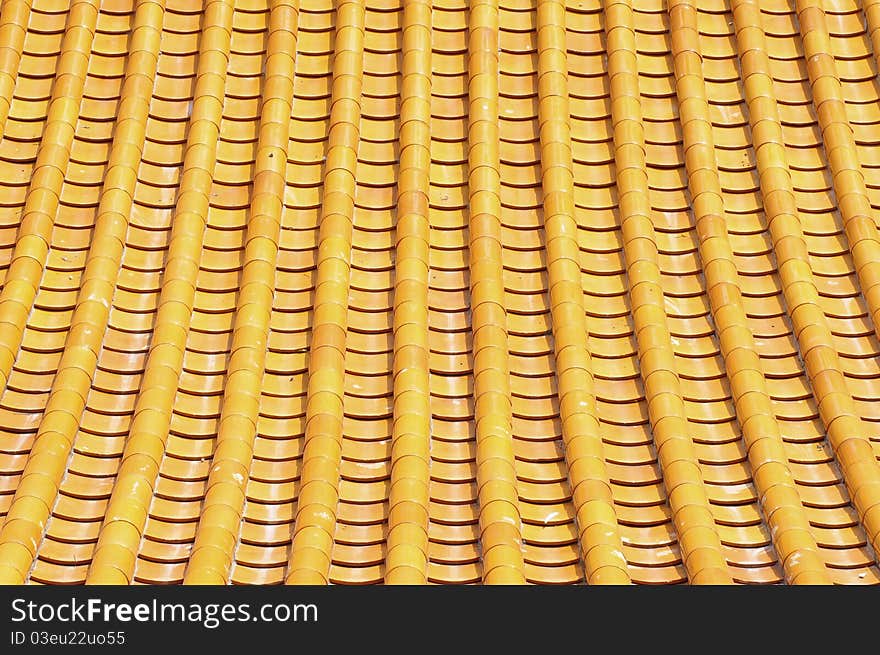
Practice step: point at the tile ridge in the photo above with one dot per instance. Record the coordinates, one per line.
(772, 476)
(499, 515)
(14, 17)
(25, 523)
(409, 496)
(851, 446)
(693, 519)
(222, 510)
(601, 547)
(116, 552)
(41, 206)
(854, 205)
(314, 528)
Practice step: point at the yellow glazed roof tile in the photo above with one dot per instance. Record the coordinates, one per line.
(414, 291)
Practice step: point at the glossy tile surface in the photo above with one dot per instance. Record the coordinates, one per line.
(414, 291)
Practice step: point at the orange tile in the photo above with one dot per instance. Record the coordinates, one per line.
(411, 291)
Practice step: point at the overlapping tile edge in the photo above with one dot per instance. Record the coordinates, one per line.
(521, 291)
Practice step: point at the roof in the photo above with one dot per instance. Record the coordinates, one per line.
(547, 291)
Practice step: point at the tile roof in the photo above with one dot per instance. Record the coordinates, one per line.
(405, 291)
